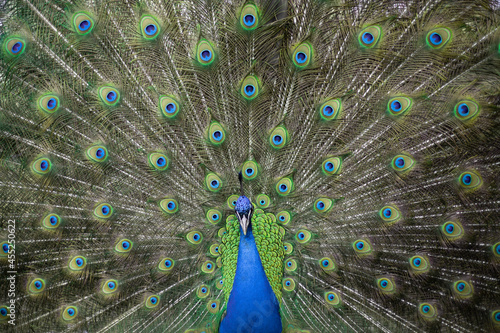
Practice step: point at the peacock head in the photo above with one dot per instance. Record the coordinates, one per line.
(243, 209)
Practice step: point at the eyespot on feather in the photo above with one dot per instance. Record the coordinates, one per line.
(83, 24)
(437, 38)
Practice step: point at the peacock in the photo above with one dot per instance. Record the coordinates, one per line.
(249, 166)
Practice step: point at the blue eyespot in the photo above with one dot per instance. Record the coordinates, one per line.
(249, 90)
(283, 188)
(71, 312)
(497, 316)
(234, 203)
(38, 285)
(301, 235)
(111, 285)
(215, 217)
(125, 244)
(84, 25)
(150, 29)
(44, 164)
(450, 228)
(387, 212)
(400, 162)
(100, 153)
(216, 249)
(467, 179)
(384, 283)
(206, 55)
(396, 106)
(153, 300)
(288, 283)
(328, 110)
(111, 96)
(171, 205)
(277, 139)
(105, 210)
(329, 166)
(498, 249)
(51, 104)
(213, 305)
(209, 266)
(249, 20)
(214, 184)
(461, 286)
(286, 247)
(435, 38)
(79, 262)
(320, 205)
(463, 109)
(325, 263)
(301, 57)
(282, 218)
(203, 290)
(53, 220)
(3, 312)
(289, 264)
(417, 262)
(5, 248)
(196, 236)
(170, 108)
(217, 135)
(168, 263)
(425, 309)
(367, 38)
(161, 161)
(249, 172)
(360, 245)
(17, 47)
(331, 297)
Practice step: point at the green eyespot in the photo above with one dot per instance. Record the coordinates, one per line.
(284, 186)
(330, 110)
(158, 161)
(369, 37)
(283, 217)
(77, 263)
(41, 166)
(282, 231)
(419, 264)
(15, 46)
(214, 250)
(69, 313)
(463, 289)
(331, 166)
(219, 262)
(123, 246)
(427, 311)
(109, 286)
(250, 87)
(437, 38)
(495, 317)
(103, 211)
(51, 221)
(166, 264)
(470, 180)
(208, 267)
(250, 170)
(49, 103)
(402, 163)
(213, 306)
(216, 133)
(152, 301)
(203, 291)
(288, 284)
(36, 286)
(303, 236)
(231, 201)
(222, 232)
(466, 110)
(452, 230)
(214, 216)
(386, 285)
(249, 17)
(279, 137)
(169, 205)
(150, 28)
(263, 201)
(496, 249)
(205, 53)
(4, 313)
(213, 182)
(97, 153)
(362, 247)
(302, 55)
(291, 265)
(332, 298)
(322, 205)
(169, 107)
(194, 237)
(109, 95)
(82, 23)
(288, 247)
(327, 264)
(390, 214)
(220, 284)
(398, 106)
(4, 249)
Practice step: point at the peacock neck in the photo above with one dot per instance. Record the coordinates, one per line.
(252, 306)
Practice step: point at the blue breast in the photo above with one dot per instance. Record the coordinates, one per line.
(252, 305)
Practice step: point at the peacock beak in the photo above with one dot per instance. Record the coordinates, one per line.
(244, 221)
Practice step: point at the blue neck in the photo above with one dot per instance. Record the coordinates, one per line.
(252, 305)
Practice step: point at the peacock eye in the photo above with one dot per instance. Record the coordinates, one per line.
(301, 57)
